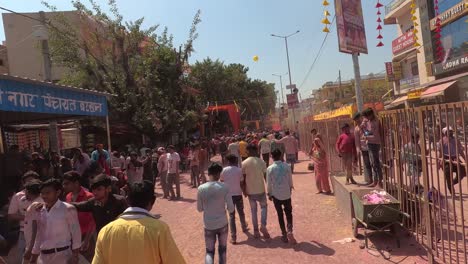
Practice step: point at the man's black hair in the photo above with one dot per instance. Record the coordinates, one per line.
(252, 147)
(30, 174)
(72, 176)
(276, 154)
(367, 112)
(215, 169)
(101, 180)
(33, 187)
(54, 183)
(141, 194)
(313, 130)
(232, 159)
(287, 133)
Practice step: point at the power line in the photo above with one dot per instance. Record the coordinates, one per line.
(318, 54)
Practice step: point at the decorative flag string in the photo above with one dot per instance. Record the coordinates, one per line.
(379, 24)
(326, 14)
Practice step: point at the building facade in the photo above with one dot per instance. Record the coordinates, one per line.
(4, 60)
(424, 74)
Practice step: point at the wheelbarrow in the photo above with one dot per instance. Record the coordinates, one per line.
(376, 217)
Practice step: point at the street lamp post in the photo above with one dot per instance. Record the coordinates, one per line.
(281, 85)
(289, 67)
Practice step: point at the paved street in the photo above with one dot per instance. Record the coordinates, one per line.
(317, 223)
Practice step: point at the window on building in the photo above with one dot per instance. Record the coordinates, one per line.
(453, 37)
(414, 68)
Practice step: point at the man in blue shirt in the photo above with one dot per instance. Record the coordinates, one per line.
(279, 186)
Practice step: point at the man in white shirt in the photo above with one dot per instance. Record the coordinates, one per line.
(232, 177)
(16, 212)
(291, 148)
(265, 149)
(279, 186)
(59, 236)
(173, 176)
(33, 194)
(162, 169)
(233, 148)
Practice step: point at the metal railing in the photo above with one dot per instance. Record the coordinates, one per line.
(424, 169)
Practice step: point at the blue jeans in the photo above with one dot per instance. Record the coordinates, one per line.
(261, 199)
(239, 204)
(210, 240)
(367, 166)
(374, 155)
(291, 159)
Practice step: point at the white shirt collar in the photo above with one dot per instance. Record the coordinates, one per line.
(136, 209)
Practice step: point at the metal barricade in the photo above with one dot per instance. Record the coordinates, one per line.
(425, 167)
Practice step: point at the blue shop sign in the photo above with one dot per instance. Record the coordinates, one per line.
(40, 98)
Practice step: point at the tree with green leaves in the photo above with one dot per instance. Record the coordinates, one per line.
(143, 70)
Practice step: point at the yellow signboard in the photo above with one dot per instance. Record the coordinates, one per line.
(347, 110)
(415, 94)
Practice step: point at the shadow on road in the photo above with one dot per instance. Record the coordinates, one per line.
(311, 248)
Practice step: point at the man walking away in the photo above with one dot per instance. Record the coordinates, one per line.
(234, 149)
(450, 151)
(361, 145)
(173, 177)
(346, 149)
(291, 147)
(33, 194)
(232, 177)
(279, 186)
(213, 199)
(243, 149)
(58, 239)
(137, 236)
(265, 149)
(162, 168)
(253, 170)
(223, 149)
(195, 166)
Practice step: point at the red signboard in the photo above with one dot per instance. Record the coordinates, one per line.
(389, 69)
(293, 101)
(403, 43)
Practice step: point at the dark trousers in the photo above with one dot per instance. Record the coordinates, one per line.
(239, 204)
(195, 173)
(266, 158)
(374, 154)
(367, 166)
(449, 169)
(286, 207)
(173, 178)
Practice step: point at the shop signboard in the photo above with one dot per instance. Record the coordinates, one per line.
(403, 43)
(397, 70)
(389, 69)
(26, 97)
(416, 94)
(410, 82)
(453, 64)
(451, 14)
(293, 101)
(350, 26)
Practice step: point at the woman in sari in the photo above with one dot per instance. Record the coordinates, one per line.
(319, 157)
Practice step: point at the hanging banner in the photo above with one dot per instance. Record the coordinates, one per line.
(397, 70)
(350, 26)
(451, 14)
(41, 98)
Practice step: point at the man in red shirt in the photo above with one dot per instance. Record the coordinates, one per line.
(346, 149)
(77, 193)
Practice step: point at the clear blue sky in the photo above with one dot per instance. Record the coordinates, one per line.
(236, 30)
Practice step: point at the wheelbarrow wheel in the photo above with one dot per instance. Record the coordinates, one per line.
(355, 227)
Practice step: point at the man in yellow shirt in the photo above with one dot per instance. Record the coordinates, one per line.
(243, 149)
(137, 236)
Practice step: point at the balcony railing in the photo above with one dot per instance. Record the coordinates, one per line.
(393, 5)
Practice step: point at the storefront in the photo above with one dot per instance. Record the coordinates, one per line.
(25, 101)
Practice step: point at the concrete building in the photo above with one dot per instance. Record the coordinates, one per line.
(3, 60)
(420, 76)
(410, 70)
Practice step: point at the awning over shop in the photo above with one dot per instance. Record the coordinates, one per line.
(347, 110)
(436, 90)
(397, 102)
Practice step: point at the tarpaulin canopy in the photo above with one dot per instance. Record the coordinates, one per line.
(436, 90)
(233, 113)
(347, 110)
